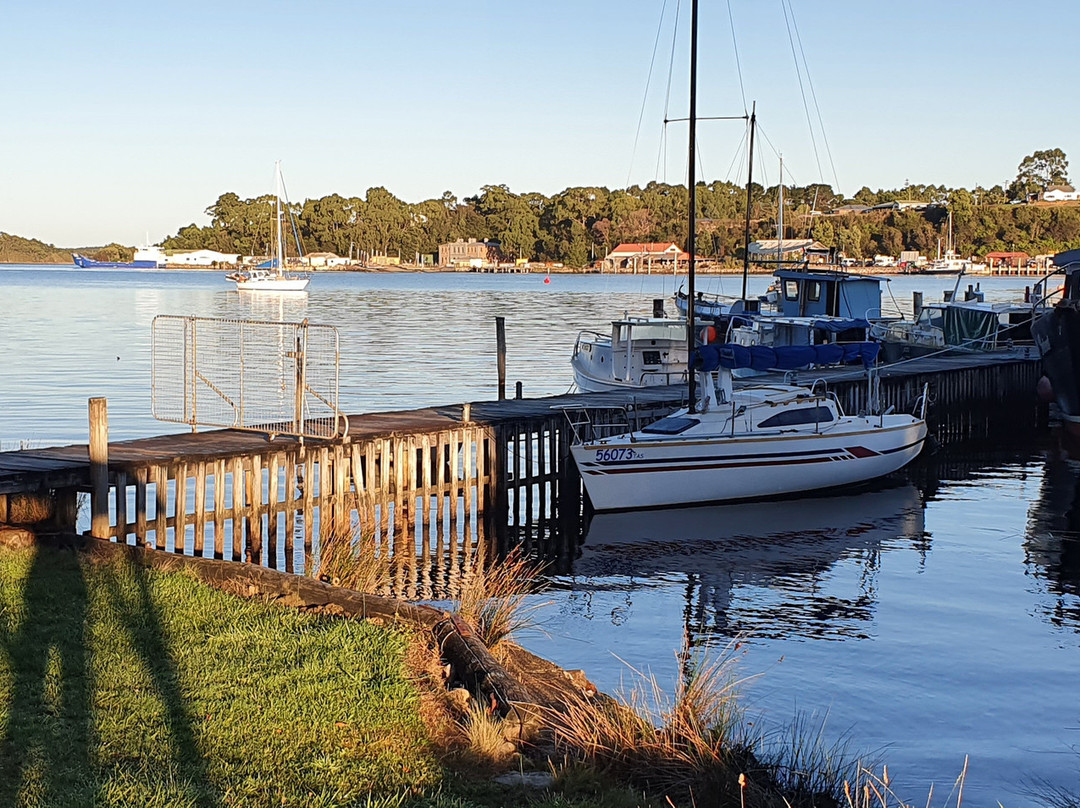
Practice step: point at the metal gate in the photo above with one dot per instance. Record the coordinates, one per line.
(279, 378)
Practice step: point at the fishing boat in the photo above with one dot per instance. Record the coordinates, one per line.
(762, 441)
(272, 276)
(639, 352)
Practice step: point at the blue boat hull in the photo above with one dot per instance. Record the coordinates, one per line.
(90, 263)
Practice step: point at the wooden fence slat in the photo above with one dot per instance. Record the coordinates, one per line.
(200, 509)
(219, 509)
(180, 520)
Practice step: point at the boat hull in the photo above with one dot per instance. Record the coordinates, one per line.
(273, 285)
(83, 262)
(627, 474)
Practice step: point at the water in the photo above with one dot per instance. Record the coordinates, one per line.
(931, 618)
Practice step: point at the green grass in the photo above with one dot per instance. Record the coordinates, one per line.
(121, 687)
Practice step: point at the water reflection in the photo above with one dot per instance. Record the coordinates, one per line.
(763, 569)
(1052, 542)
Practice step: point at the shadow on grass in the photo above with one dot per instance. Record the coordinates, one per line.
(50, 750)
(45, 744)
(128, 589)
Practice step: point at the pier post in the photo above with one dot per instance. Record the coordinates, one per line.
(500, 343)
(99, 468)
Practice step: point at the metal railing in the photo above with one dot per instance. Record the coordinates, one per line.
(273, 377)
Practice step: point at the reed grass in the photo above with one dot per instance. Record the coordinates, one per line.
(346, 559)
(493, 596)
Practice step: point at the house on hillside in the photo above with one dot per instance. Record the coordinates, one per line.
(643, 256)
(1059, 193)
(803, 249)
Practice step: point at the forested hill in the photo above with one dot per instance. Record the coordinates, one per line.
(579, 225)
(17, 250)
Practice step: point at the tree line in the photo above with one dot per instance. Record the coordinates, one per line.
(579, 225)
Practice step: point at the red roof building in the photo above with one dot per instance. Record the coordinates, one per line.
(636, 256)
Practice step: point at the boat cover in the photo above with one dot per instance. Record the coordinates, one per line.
(786, 357)
(1067, 258)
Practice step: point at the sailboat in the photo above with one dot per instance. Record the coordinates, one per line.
(761, 441)
(272, 276)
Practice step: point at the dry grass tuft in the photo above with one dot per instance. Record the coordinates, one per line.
(30, 509)
(493, 596)
(346, 559)
(691, 742)
(486, 737)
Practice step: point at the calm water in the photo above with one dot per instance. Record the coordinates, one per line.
(933, 617)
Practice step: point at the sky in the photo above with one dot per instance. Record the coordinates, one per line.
(123, 121)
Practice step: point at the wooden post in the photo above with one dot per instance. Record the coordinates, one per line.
(99, 468)
(500, 343)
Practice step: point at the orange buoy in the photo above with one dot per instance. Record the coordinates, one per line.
(708, 334)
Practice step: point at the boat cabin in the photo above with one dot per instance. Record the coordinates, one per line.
(806, 293)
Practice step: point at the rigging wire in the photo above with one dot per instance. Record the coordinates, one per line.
(802, 90)
(738, 65)
(813, 94)
(645, 97)
(667, 95)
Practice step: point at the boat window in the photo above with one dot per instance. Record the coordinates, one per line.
(798, 415)
(671, 425)
(791, 290)
(813, 290)
(674, 332)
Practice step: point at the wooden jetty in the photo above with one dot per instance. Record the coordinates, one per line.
(433, 487)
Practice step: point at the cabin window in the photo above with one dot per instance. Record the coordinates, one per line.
(813, 290)
(797, 416)
(791, 290)
(672, 425)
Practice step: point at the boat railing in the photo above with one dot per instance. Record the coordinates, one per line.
(650, 378)
(592, 335)
(590, 423)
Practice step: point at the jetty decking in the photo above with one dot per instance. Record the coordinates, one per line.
(432, 486)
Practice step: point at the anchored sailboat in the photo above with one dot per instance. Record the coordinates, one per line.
(272, 275)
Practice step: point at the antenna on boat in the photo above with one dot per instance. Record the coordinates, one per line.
(749, 182)
(692, 187)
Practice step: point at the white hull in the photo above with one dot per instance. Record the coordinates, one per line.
(588, 383)
(653, 472)
(282, 284)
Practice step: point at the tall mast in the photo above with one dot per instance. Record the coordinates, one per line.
(749, 182)
(780, 218)
(692, 186)
(277, 197)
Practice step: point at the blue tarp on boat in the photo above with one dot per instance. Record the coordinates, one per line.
(788, 357)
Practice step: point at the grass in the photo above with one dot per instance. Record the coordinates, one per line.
(124, 687)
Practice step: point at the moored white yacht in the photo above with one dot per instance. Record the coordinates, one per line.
(763, 441)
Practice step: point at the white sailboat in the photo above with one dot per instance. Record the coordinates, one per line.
(273, 277)
(763, 441)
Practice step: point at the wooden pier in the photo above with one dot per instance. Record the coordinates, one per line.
(434, 488)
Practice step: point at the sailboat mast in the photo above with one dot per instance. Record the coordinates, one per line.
(277, 197)
(749, 182)
(692, 187)
(780, 218)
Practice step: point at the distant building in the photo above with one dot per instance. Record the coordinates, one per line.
(384, 261)
(1014, 260)
(840, 211)
(637, 256)
(325, 259)
(1060, 193)
(803, 249)
(469, 253)
(200, 258)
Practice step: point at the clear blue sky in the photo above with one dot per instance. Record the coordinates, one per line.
(127, 118)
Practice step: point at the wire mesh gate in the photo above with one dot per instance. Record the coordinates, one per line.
(280, 378)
